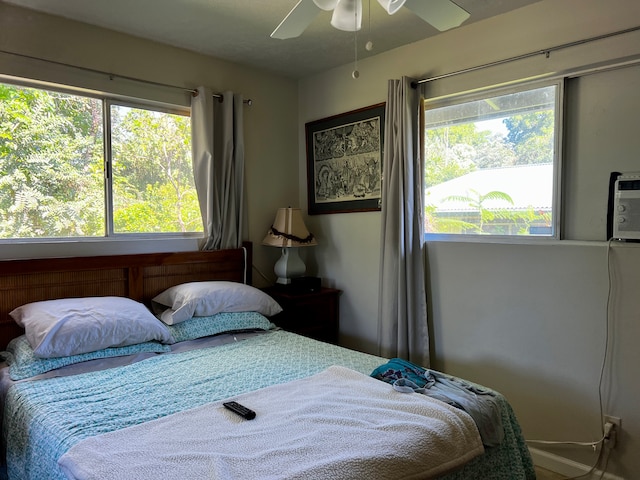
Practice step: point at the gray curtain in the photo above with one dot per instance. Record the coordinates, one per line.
(402, 304)
(218, 167)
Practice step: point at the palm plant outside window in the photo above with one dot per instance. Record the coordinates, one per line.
(492, 164)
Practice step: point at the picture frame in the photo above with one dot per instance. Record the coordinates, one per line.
(344, 161)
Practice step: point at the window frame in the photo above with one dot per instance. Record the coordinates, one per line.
(558, 148)
(108, 169)
(107, 101)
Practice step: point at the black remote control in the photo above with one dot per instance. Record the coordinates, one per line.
(241, 410)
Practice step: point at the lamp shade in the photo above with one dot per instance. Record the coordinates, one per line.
(289, 230)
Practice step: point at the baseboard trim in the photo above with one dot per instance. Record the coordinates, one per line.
(564, 466)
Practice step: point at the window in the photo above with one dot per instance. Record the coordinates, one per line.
(492, 163)
(153, 189)
(55, 147)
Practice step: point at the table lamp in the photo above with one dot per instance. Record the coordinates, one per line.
(289, 232)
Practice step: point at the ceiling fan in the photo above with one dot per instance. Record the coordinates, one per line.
(347, 14)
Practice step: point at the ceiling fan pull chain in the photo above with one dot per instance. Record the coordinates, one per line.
(355, 74)
(369, 45)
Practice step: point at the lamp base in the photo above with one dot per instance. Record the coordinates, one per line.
(289, 266)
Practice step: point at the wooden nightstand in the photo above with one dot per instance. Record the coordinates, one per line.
(313, 314)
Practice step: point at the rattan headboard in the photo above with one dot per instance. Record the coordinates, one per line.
(140, 277)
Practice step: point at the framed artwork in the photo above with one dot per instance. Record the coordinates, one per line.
(344, 161)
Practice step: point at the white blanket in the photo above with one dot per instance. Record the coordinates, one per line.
(338, 424)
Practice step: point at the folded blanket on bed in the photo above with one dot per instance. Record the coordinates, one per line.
(338, 424)
(478, 402)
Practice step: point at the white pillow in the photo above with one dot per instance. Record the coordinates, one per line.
(71, 326)
(202, 299)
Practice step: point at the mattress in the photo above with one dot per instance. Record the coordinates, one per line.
(43, 419)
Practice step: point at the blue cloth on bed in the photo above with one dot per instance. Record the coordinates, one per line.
(479, 403)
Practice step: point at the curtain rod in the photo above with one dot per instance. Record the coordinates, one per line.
(115, 75)
(546, 52)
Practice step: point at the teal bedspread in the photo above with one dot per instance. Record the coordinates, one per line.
(44, 418)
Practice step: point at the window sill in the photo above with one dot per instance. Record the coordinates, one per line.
(35, 248)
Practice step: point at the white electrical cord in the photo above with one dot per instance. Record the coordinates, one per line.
(605, 355)
(246, 267)
(602, 453)
(593, 468)
(607, 328)
(606, 463)
(593, 445)
(269, 280)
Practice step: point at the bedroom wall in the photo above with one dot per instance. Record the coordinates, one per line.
(527, 319)
(539, 341)
(271, 147)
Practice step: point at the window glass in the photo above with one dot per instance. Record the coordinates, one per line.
(491, 163)
(51, 164)
(153, 188)
(52, 167)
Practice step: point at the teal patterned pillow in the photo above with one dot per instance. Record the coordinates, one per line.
(197, 327)
(24, 364)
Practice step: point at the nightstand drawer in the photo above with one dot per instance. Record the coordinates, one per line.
(314, 314)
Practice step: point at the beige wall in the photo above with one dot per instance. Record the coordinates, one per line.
(271, 146)
(529, 320)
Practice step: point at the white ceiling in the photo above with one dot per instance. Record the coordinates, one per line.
(238, 30)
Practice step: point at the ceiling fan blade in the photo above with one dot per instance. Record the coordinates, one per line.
(297, 20)
(442, 14)
(391, 6)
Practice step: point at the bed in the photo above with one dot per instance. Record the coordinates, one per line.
(154, 408)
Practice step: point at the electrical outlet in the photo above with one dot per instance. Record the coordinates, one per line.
(615, 420)
(614, 436)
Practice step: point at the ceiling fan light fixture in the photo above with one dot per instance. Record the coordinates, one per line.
(391, 6)
(347, 15)
(326, 4)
